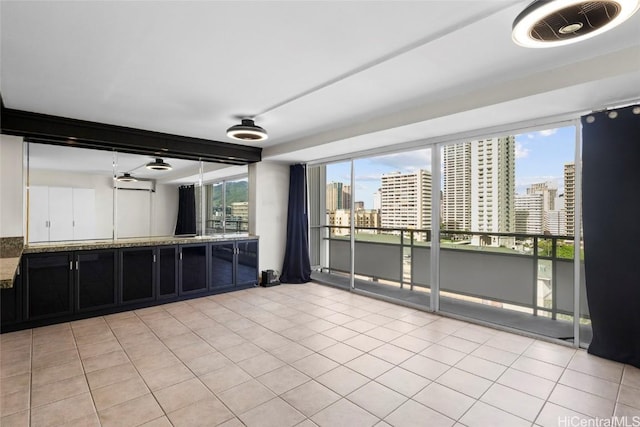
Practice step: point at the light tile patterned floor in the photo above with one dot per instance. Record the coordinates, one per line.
(299, 355)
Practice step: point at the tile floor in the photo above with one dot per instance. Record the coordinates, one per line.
(300, 355)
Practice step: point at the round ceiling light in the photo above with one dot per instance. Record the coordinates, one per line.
(549, 23)
(158, 165)
(247, 131)
(126, 177)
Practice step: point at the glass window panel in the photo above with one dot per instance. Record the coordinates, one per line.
(507, 209)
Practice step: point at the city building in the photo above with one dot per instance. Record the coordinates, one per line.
(456, 196)
(406, 200)
(529, 213)
(493, 185)
(377, 200)
(569, 197)
(335, 196)
(364, 218)
(479, 188)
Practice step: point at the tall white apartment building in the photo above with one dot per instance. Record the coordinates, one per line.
(406, 200)
(493, 181)
(456, 197)
(479, 187)
(529, 213)
(569, 196)
(377, 199)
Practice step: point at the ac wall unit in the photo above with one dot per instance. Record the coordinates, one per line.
(140, 184)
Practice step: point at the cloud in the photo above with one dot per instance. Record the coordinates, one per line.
(404, 162)
(547, 132)
(521, 151)
(369, 177)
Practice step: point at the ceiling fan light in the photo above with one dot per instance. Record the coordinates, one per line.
(550, 23)
(126, 177)
(247, 131)
(158, 165)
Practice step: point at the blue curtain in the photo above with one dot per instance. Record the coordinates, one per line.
(297, 267)
(611, 183)
(186, 223)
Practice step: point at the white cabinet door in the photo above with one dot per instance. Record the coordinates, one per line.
(38, 214)
(84, 214)
(60, 213)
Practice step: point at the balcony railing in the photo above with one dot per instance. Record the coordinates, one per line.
(524, 271)
(218, 226)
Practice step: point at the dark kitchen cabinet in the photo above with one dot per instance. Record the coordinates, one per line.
(246, 262)
(10, 302)
(234, 264)
(193, 268)
(167, 271)
(67, 285)
(95, 279)
(48, 285)
(222, 265)
(137, 274)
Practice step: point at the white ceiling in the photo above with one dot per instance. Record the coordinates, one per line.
(324, 78)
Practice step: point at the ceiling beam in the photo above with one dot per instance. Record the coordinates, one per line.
(57, 130)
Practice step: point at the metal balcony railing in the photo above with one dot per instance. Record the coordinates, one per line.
(532, 271)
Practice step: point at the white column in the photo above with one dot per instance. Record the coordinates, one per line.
(12, 218)
(268, 205)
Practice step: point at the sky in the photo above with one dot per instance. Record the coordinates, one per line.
(540, 157)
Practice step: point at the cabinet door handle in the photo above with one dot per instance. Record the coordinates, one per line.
(180, 255)
(154, 257)
(71, 265)
(77, 265)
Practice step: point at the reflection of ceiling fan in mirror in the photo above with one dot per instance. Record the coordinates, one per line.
(157, 164)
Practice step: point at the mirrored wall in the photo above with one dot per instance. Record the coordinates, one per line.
(77, 194)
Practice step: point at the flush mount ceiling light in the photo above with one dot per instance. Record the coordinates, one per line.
(126, 177)
(247, 131)
(158, 165)
(549, 23)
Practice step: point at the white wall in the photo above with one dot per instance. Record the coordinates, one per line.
(268, 200)
(164, 210)
(11, 187)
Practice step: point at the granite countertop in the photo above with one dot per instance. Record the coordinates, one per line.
(129, 243)
(10, 251)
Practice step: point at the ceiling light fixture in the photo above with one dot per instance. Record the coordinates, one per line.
(549, 23)
(158, 165)
(126, 177)
(247, 131)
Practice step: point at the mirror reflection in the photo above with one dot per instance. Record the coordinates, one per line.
(83, 194)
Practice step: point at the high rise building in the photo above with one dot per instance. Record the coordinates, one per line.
(549, 192)
(358, 206)
(556, 222)
(456, 197)
(569, 196)
(346, 196)
(493, 185)
(529, 213)
(406, 200)
(479, 186)
(334, 196)
(377, 199)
